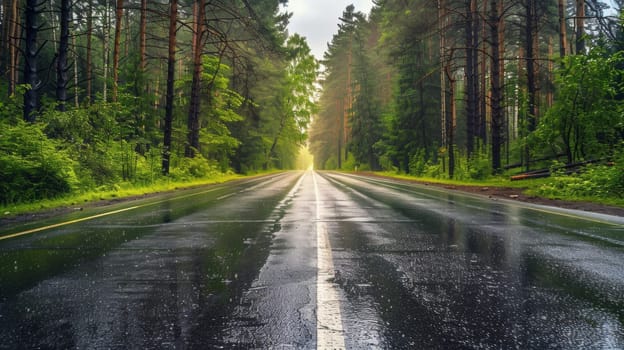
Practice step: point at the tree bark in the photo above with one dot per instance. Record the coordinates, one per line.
(75, 58)
(580, 27)
(442, 33)
(89, 62)
(14, 38)
(496, 83)
(450, 126)
(173, 19)
(483, 106)
(143, 37)
(563, 31)
(116, 48)
(4, 36)
(30, 61)
(450, 122)
(472, 79)
(194, 106)
(62, 78)
(530, 40)
(105, 53)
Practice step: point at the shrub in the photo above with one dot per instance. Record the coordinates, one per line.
(596, 181)
(193, 168)
(32, 167)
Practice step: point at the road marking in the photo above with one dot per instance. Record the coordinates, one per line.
(23, 233)
(605, 219)
(329, 331)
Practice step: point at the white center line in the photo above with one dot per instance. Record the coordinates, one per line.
(329, 331)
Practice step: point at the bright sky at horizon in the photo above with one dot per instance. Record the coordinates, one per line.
(317, 20)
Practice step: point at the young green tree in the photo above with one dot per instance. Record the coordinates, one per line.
(586, 119)
(296, 97)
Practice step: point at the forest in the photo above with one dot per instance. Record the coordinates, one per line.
(470, 89)
(100, 94)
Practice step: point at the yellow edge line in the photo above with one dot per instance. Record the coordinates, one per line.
(23, 233)
(39, 229)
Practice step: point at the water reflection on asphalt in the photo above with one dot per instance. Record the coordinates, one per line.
(165, 276)
(459, 278)
(236, 267)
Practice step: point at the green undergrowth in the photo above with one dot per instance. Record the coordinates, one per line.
(121, 191)
(583, 187)
(489, 182)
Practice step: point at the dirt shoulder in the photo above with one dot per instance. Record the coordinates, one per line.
(517, 194)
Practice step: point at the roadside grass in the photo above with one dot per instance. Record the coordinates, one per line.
(602, 199)
(121, 191)
(499, 181)
(529, 187)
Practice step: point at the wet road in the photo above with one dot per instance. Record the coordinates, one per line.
(315, 260)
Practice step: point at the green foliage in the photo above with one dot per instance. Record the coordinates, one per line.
(587, 118)
(219, 112)
(593, 181)
(187, 169)
(418, 163)
(257, 102)
(32, 166)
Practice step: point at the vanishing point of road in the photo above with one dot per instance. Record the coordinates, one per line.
(310, 260)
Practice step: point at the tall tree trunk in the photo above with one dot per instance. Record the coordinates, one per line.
(14, 38)
(348, 106)
(89, 62)
(62, 68)
(30, 61)
(530, 40)
(143, 37)
(4, 36)
(483, 107)
(75, 58)
(580, 27)
(496, 83)
(563, 31)
(450, 122)
(127, 32)
(501, 55)
(117, 47)
(339, 133)
(550, 98)
(105, 53)
(442, 32)
(173, 20)
(450, 126)
(472, 70)
(194, 107)
(53, 25)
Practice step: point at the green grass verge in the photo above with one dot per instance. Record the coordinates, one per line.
(124, 190)
(530, 187)
(491, 182)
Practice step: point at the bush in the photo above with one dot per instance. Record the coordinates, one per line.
(193, 168)
(479, 167)
(418, 163)
(32, 167)
(593, 181)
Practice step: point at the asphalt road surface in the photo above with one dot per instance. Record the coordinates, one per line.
(314, 260)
